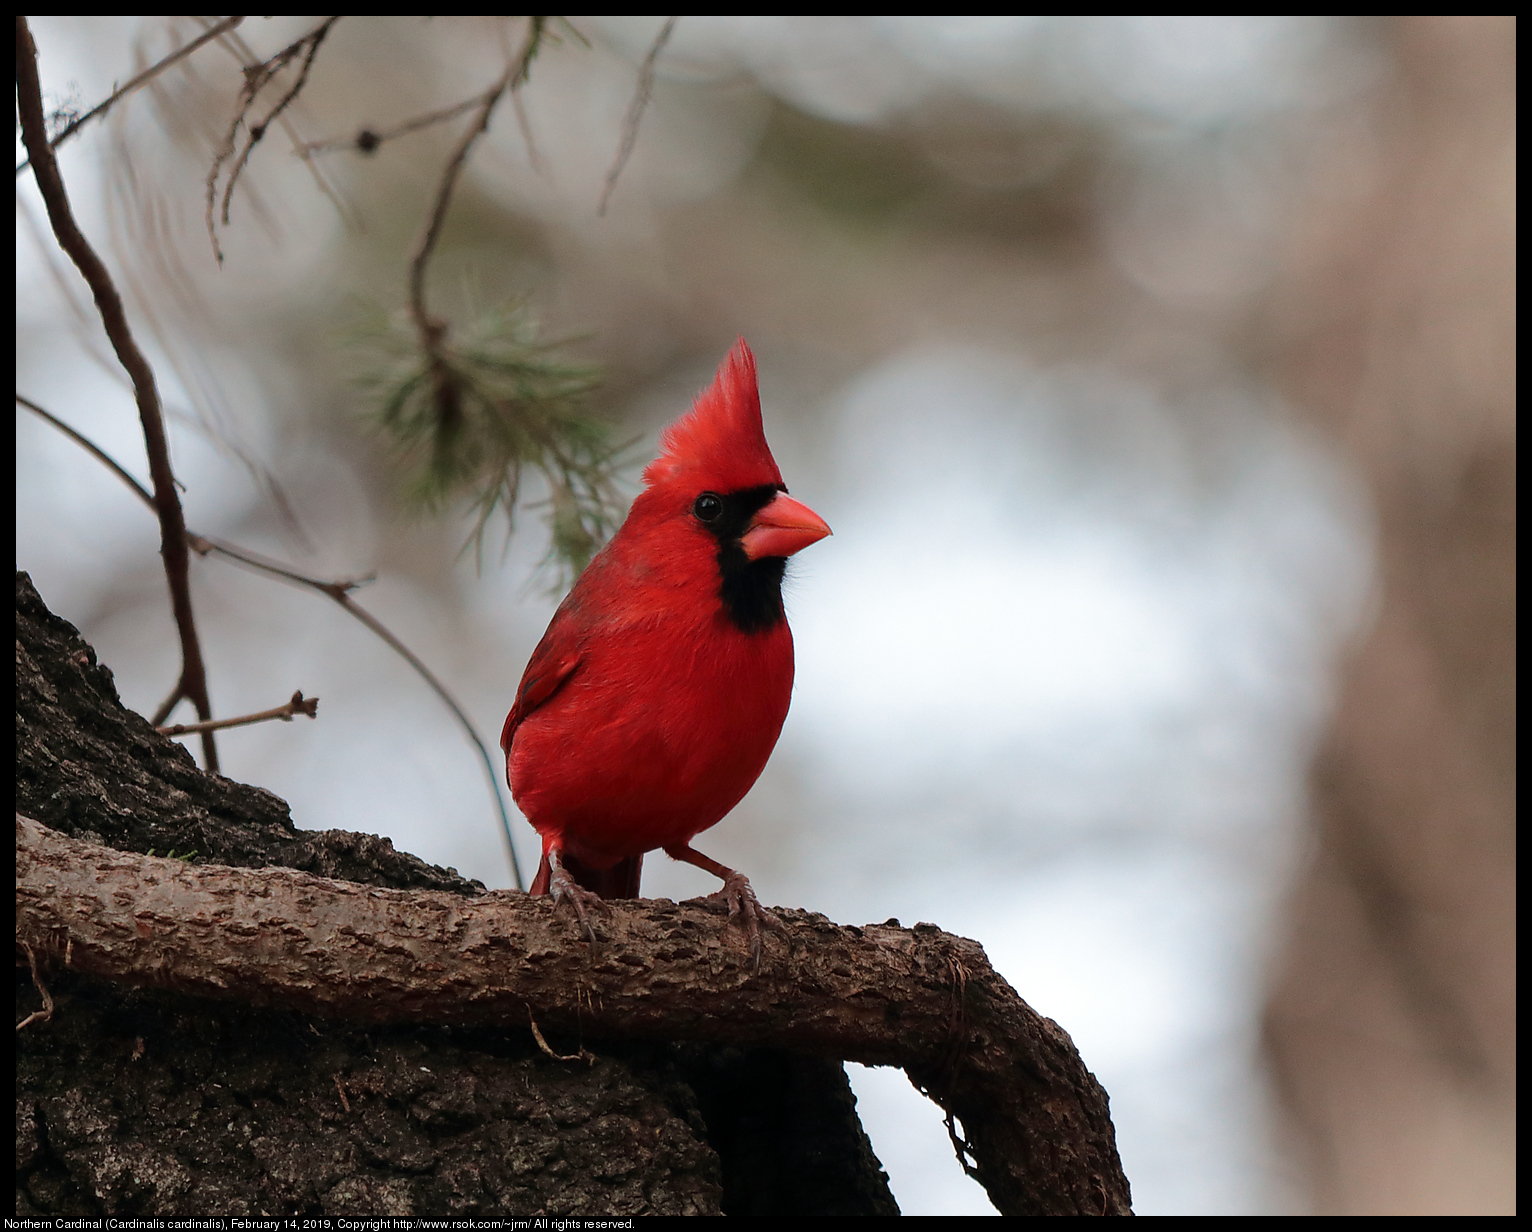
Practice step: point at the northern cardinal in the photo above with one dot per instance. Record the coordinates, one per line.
(656, 696)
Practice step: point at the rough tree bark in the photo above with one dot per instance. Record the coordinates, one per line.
(272, 1037)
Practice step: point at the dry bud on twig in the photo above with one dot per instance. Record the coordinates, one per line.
(297, 704)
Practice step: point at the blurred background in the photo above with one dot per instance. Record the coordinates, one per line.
(1156, 375)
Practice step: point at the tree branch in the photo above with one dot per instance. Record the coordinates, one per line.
(367, 140)
(173, 547)
(257, 77)
(338, 590)
(249, 62)
(310, 43)
(148, 75)
(91, 447)
(1034, 1118)
(630, 122)
(429, 329)
(297, 704)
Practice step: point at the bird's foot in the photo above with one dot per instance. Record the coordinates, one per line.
(744, 906)
(563, 888)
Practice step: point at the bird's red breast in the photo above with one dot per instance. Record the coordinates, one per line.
(657, 694)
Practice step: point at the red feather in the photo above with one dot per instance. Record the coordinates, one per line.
(651, 704)
(721, 442)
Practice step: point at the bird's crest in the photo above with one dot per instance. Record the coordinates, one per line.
(719, 443)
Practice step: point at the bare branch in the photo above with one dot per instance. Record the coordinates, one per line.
(148, 75)
(368, 140)
(162, 711)
(247, 59)
(258, 130)
(427, 327)
(85, 442)
(173, 547)
(1035, 1119)
(257, 77)
(297, 704)
(636, 111)
(337, 590)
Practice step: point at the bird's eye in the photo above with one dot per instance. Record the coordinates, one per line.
(708, 506)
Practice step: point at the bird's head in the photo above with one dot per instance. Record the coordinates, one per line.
(716, 482)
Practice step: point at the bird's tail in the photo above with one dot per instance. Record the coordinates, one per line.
(619, 881)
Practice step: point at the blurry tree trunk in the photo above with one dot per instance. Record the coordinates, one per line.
(1392, 1022)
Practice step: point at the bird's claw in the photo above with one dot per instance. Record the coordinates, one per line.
(564, 889)
(742, 903)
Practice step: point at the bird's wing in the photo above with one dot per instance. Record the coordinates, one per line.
(552, 663)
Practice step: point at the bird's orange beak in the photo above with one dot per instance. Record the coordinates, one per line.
(783, 527)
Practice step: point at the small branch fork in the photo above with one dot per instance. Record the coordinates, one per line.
(148, 75)
(297, 704)
(257, 77)
(339, 591)
(173, 546)
(247, 61)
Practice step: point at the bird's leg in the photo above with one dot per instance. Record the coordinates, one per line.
(736, 893)
(562, 886)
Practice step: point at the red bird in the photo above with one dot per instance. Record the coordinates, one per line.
(655, 697)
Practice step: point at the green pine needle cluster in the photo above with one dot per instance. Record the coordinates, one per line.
(468, 418)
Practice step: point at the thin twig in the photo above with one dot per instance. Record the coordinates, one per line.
(162, 711)
(85, 443)
(429, 329)
(47, 1011)
(367, 140)
(534, 158)
(236, 46)
(148, 75)
(636, 108)
(583, 1055)
(339, 591)
(257, 76)
(344, 1102)
(258, 131)
(173, 546)
(297, 704)
(143, 235)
